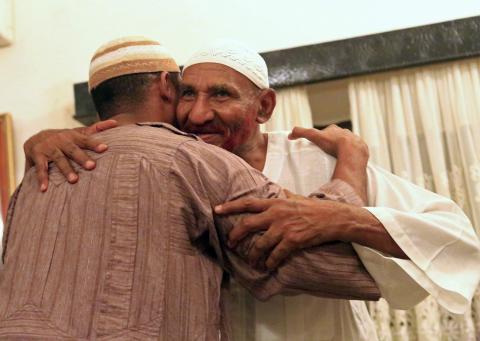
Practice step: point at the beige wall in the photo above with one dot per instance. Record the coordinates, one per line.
(54, 39)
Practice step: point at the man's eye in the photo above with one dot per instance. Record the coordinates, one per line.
(187, 93)
(221, 93)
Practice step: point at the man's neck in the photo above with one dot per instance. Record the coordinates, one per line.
(125, 118)
(256, 153)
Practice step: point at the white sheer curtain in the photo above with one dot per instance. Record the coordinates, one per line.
(423, 124)
(292, 109)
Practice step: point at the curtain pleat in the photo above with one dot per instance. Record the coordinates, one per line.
(423, 124)
(292, 109)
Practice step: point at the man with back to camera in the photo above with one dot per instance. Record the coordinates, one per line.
(400, 221)
(134, 251)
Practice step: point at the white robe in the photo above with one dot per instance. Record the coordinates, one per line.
(432, 230)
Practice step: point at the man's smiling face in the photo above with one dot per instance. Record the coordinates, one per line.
(218, 104)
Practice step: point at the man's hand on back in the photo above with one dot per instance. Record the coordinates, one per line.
(349, 149)
(291, 224)
(62, 145)
(297, 222)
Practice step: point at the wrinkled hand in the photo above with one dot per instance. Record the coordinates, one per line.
(62, 145)
(333, 140)
(290, 224)
(349, 149)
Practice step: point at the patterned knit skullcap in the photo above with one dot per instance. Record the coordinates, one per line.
(235, 55)
(127, 56)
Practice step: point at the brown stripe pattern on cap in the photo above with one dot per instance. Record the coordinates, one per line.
(129, 55)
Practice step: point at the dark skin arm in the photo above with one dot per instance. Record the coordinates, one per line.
(349, 149)
(62, 145)
(297, 222)
(293, 224)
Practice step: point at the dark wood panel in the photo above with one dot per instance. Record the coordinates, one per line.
(374, 53)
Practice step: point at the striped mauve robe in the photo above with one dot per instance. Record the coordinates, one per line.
(134, 252)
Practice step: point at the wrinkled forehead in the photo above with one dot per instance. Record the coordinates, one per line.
(213, 74)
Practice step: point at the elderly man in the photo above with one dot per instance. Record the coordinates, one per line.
(134, 251)
(412, 241)
(406, 220)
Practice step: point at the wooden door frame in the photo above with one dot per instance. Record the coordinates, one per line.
(7, 171)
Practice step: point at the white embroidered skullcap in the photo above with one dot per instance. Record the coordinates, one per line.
(127, 56)
(235, 55)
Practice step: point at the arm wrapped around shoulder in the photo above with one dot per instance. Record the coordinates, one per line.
(209, 176)
(331, 270)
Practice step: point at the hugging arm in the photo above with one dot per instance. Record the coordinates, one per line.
(299, 223)
(61, 146)
(209, 176)
(350, 150)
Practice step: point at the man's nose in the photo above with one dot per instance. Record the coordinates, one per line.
(201, 112)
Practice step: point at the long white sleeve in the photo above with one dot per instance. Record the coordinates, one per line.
(436, 235)
(432, 230)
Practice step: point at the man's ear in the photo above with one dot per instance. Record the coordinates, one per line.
(267, 99)
(167, 90)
